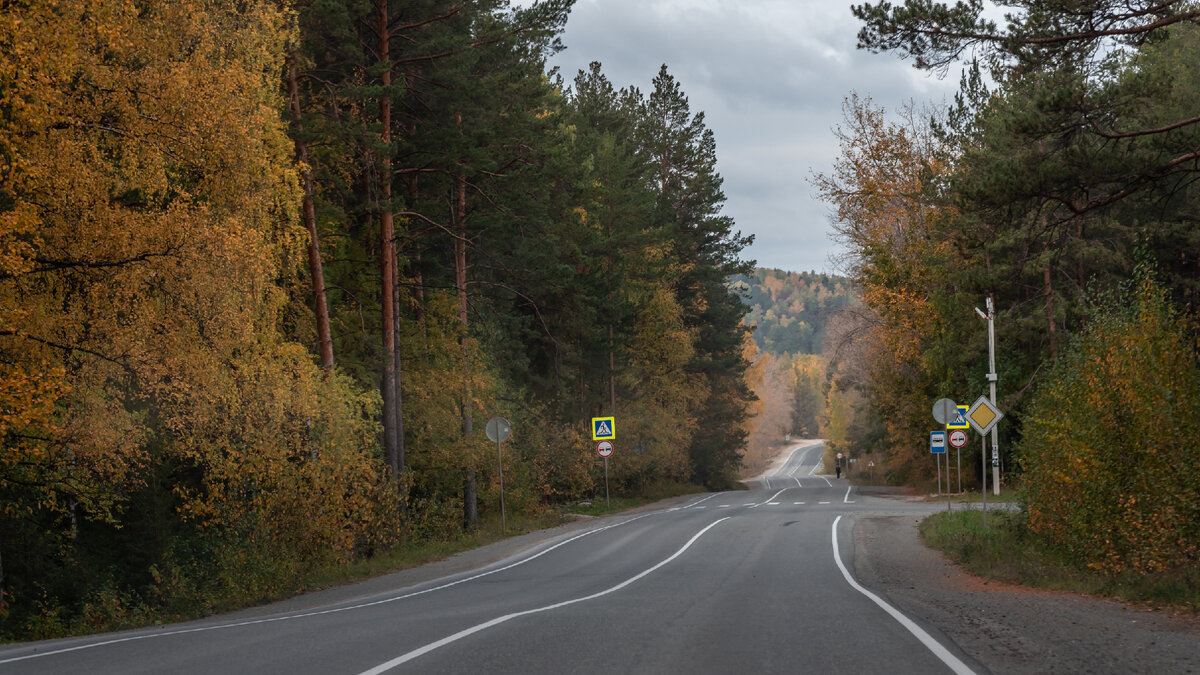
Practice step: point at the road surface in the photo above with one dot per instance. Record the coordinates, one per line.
(756, 581)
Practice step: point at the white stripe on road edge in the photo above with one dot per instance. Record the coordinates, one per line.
(405, 658)
(933, 645)
(289, 617)
(769, 499)
(846, 500)
(704, 499)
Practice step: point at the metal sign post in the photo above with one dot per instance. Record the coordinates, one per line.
(937, 445)
(605, 449)
(498, 429)
(983, 467)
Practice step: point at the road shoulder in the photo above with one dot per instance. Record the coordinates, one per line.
(1012, 629)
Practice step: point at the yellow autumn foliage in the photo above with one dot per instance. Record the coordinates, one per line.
(148, 222)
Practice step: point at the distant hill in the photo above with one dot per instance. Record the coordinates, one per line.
(791, 310)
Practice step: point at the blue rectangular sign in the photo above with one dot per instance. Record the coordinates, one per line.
(937, 442)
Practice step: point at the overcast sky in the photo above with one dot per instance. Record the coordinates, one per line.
(770, 77)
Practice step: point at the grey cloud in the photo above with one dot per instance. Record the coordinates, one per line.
(770, 77)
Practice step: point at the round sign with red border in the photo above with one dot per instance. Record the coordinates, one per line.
(604, 448)
(958, 438)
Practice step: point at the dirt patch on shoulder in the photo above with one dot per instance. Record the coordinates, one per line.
(1012, 629)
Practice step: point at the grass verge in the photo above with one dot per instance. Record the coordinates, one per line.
(1008, 551)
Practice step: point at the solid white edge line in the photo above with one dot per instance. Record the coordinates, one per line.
(421, 651)
(305, 615)
(846, 499)
(926, 639)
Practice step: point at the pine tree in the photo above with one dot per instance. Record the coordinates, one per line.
(706, 248)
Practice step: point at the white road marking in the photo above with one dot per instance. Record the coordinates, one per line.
(724, 506)
(798, 503)
(813, 470)
(322, 612)
(702, 499)
(768, 501)
(822, 502)
(800, 464)
(933, 645)
(846, 499)
(405, 658)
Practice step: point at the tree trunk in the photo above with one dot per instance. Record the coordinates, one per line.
(315, 267)
(459, 228)
(387, 255)
(1048, 296)
(612, 375)
(470, 505)
(399, 386)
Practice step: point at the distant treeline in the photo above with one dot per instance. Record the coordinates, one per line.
(790, 311)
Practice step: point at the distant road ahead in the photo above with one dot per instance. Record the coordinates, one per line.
(737, 582)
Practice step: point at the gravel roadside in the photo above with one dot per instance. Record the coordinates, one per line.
(1011, 629)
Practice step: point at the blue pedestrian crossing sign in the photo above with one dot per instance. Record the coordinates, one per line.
(603, 429)
(958, 418)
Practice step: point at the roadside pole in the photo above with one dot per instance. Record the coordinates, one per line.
(983, 468)
(498, 429)
(939, 466)
(991, 376)
(948, 508)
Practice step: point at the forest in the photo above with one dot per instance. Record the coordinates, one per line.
(268, 267)
(1061, 183)
(790, 311)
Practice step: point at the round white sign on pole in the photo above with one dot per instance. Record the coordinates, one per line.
(498, 429)
(943, 410)
(604, 448)
(958, 438)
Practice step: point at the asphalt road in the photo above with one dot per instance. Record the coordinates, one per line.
(752, 581)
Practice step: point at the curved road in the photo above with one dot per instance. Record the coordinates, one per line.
(752, 581)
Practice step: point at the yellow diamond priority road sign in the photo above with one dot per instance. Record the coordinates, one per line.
(983, 415)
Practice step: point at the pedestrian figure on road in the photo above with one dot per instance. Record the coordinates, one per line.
(839, 470)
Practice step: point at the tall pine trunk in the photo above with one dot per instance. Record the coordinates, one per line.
(387, 255)
(315, 267)
(460, 285)
(398, 402)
